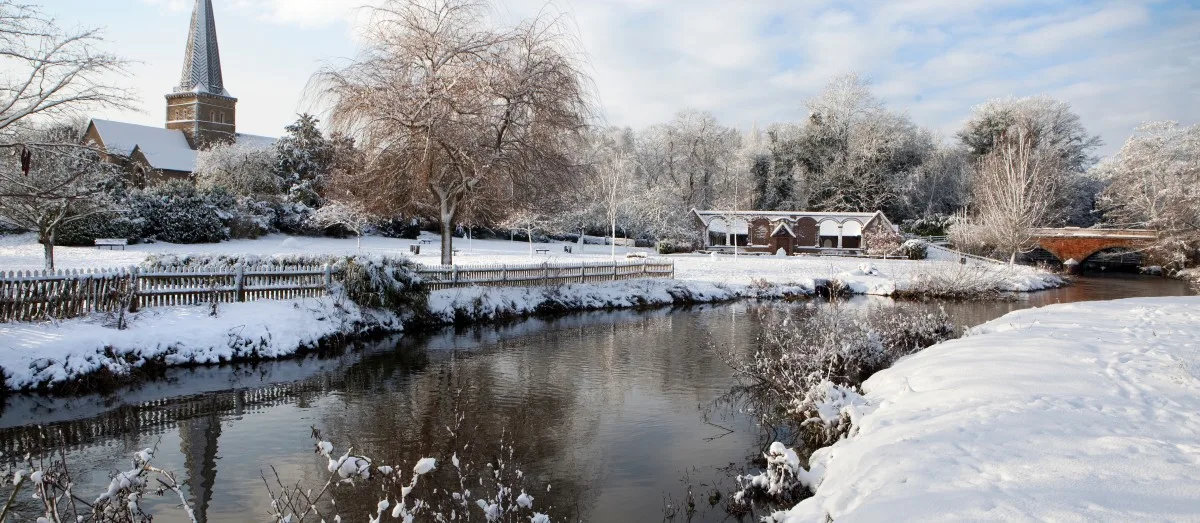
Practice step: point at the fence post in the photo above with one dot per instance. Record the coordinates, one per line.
(328, 277)
(614, 267)
(545, 272)
(644, 272)
(239, 280)
(583, 272)
(133, 289)
(454, 269)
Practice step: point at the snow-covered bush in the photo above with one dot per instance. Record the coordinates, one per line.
(179, 213)
(83, 233)
(53, 488)
(915, 249)
(241, 168)
(800, 350)
(450, 487)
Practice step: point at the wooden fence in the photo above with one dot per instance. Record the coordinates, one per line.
(38, 295)
(537, 274)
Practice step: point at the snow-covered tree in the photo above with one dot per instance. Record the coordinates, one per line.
(53, 182)
(349, 214)
(852, 153)
(1015, 187)
(241, 168)
(1154, 182)
(304, 158)
(51, 74)
(1052, 128)
(453, 114)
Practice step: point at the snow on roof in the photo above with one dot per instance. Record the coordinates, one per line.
(709, 216)
(165, 149)
(785, 227)
(255, 140)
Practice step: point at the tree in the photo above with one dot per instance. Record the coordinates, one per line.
(1053, 129)
(853, 154)
(1154, 182)
(51, 75)
(304, 159)
(349, 214)
(454, 115)
(1014, 191)
(64, 183)
(243, 169)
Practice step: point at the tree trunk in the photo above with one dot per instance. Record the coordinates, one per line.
(447, 214)
(47, 239)
(614, 237)
(529, 235)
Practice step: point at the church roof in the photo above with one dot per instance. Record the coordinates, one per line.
(165, 149)
(202, 59)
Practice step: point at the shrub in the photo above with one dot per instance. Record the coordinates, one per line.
(400, 227)
(83, 233)
(915, 249)
(177, 212)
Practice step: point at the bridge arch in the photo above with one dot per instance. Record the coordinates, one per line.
(1114, 259)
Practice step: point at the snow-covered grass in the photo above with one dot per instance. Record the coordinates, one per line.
(49, 354)
(22, 252)
(1077, 412)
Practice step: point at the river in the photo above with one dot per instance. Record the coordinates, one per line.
(615, 410)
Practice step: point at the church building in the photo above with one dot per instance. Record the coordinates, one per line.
(200, 112)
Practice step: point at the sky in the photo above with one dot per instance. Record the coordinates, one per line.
(749, 62)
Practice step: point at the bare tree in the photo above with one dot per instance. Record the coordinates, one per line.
(53, 183)
(1014, 191)
(454, 114)
(51, 75)
(1154, 181)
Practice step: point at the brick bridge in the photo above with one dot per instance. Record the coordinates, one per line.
(1077, 244)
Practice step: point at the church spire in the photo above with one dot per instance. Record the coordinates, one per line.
(202, 60)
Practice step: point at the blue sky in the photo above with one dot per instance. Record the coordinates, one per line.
(750, 61)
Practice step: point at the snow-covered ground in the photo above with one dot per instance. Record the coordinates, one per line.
(49, 353)
(22, 252)
(1078, 412)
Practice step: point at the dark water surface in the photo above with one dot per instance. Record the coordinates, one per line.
(612, 409)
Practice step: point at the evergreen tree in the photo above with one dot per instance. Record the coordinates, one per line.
(305, 157)
(760, 170)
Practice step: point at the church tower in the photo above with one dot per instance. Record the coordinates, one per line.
(200, 106)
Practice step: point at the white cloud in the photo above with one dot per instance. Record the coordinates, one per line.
(757, 60)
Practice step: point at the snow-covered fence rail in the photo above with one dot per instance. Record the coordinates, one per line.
(35, 295)
(538, 274)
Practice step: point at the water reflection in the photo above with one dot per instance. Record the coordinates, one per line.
(609, 408)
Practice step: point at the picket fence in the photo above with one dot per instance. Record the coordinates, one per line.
(38, 295)
(539, 274)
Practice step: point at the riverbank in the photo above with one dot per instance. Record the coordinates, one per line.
(88, 353)
(82, 354)
(1086, 411)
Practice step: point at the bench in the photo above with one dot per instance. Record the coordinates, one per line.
(567, 249)
(542, 251)
(424, 241)
(112, 243)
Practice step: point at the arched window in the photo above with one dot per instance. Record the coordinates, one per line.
(851, 228)
(830, 228)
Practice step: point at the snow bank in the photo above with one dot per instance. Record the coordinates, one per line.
(1077, 412)
(47, 354)
(490, 303)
